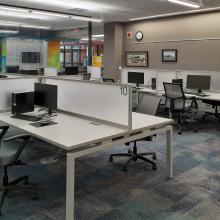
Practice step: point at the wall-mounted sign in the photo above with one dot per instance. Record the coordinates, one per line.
(129, 35)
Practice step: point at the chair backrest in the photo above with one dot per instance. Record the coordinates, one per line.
(148, 104)
(108, 80)
(175, 97)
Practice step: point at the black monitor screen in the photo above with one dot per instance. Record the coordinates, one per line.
(200, 82)
(72, 70)
(22, 102)
(30, 57)
(45, 95)
(136, 77)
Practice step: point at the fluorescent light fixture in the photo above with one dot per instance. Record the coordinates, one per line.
(176, 14)
(86, 19)
(185, 3)
(51, 14)
(31, 12)
(8, 32)
(2, 23)
(35, 27)
(13, 9)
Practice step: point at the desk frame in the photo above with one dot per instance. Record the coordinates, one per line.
(72, 156)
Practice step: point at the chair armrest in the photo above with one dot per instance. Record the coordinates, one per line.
(17, 137)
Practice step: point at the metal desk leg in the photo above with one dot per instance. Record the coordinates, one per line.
(70, 184)
(169, 135)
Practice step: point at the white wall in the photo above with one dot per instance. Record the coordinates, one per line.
(168, 75)
(16, 46)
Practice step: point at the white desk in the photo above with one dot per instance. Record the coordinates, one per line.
(214, 96)
(79, 137)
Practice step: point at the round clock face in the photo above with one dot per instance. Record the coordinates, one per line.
(139, 35)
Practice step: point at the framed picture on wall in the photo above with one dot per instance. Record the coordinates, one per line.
(169, 55)
(137, 58)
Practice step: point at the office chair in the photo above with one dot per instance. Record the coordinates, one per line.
(148, 104)
(215, 105)
(108, 80)
(9, 157)
(176, 102)
(3, 130)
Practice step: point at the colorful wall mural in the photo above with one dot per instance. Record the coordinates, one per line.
(3, 55)
(54, 54)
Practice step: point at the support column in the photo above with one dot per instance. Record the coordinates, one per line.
(90, 43)
(113, 49)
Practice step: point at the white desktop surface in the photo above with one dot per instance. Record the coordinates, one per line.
(69, 133)
(72, 132)
(214, 96)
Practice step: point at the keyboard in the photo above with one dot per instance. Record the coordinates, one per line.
(27, 117)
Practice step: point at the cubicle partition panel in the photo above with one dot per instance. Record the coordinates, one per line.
(107, 102)
(16, 84)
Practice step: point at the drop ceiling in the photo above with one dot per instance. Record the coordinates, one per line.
(109, 10)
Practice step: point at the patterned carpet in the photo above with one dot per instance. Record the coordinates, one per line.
(104, 192)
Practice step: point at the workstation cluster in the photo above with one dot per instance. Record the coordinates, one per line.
(180, 93)
(49, 108)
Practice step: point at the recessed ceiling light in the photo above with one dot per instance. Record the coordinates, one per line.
(186, 3)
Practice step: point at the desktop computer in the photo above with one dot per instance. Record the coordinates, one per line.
(136, 77)
(45, 95)
(153, 83)
(198, 82)
(23, 103)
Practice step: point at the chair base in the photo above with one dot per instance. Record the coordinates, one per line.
(216, 115)
(13, 185)
(134, 156)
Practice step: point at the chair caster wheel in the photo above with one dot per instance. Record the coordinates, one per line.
(26, 182)
(35, 197)
(129, 151)
(110, 159)
(125, 170)
(154, 157)
(195, 131)
(135, 159)
(154, 167)
(179, 133)
(127, 144)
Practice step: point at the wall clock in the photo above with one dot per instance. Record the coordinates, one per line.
(139, 35)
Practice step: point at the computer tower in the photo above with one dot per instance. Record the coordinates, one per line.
(154, 83)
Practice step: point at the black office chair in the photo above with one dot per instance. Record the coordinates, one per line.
(4, 130)
(177, 102)
(9, 157)
(215, 105)
(109, 80)
(148, 104)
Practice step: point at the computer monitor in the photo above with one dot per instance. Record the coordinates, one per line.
(45, 95)
(199, 82)
(12, 69)
(178, 81)
(136, 77)
(22, 102)
(72, 70)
